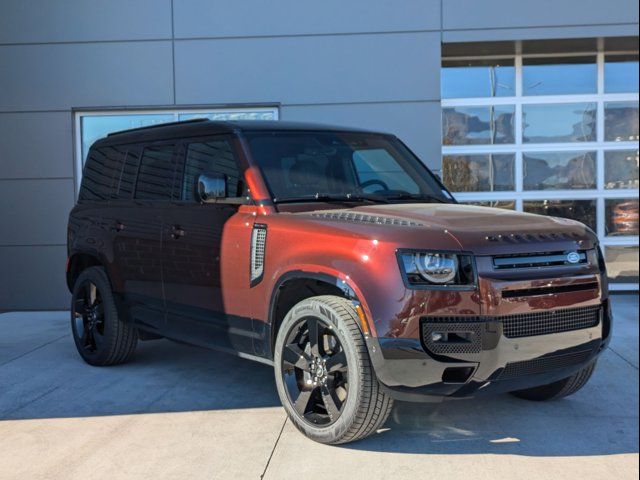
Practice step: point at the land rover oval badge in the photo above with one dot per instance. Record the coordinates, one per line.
(573, 257)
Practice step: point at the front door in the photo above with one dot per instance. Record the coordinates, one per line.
(192, 233)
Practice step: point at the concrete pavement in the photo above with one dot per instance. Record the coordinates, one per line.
(182, 412)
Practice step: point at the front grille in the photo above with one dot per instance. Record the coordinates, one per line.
(550, 321)
(543, 364)
(536, 260)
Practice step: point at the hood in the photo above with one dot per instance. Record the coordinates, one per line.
(481, 230)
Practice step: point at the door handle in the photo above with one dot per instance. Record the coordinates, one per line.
(118, 226)
(177, 232)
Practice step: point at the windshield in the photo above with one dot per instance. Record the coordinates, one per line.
(310, 166)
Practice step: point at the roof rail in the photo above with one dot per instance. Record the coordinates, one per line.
(148, 127)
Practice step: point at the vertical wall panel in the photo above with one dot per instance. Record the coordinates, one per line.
(36, 145)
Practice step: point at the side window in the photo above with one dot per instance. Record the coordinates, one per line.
(128, 173)
(215, 156)
(155, 176)
(378, 166)
(101, 173)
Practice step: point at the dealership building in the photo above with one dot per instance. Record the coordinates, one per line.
(531, 106)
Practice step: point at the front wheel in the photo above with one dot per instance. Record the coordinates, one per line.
(324, 376)
(561, 388)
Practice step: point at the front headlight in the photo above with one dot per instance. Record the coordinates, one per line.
(438, 269)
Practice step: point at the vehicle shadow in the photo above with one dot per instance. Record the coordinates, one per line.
(167, 377)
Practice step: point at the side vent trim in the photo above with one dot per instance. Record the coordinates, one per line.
(257, 254)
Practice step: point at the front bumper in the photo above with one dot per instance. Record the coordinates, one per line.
(409, 370)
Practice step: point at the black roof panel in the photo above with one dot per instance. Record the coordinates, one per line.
(202, 127)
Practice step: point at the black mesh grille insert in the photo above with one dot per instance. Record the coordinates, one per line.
(551, 321)
(543, 365)
(461, 337)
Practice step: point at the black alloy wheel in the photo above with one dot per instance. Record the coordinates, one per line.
(89, 317)
(315, 371)
(100, 335)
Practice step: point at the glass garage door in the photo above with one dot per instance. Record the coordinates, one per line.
(549, 129)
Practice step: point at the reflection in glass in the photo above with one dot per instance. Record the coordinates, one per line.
(477, 78)
(581, 210)
(621, 73)
(477, 125)
(95, 127)
(621, 169)
(557, 76)
(230, 116)
(563, 122)
(559, 170)
(621, 121)
(622, 264)
(505, 204)
(478, 173)
(621, 216)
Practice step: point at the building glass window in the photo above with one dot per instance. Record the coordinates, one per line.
(557, 122)
(479, 173)
(559, 75)
(621, 169)
(553, 131)
(478, 125)
(478, 78)
(559, 170)
(621, 73)
(621, 121)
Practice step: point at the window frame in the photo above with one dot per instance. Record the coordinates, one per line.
(519, 148)
(181, 165)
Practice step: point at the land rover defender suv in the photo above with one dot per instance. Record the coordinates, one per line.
(336, 256)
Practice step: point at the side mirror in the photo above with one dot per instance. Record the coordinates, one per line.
(210, 187)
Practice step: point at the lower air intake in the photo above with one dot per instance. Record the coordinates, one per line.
(543, 364)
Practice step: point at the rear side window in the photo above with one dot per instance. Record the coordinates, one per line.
(101, 173)
(214, 156)
(155, 176)
(127, 181)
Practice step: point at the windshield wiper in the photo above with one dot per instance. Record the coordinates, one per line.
(417, 196)
(326, 197)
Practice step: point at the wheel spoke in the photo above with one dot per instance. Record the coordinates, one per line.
(302, 401)
(93, 294)
(295, 356)
(337, 362)
(86, 297)
(85, 339)
(331, 402)
(96, 337)
(314, 335)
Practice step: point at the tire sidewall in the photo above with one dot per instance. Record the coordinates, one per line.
(333, 432)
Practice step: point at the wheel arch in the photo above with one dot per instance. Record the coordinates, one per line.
(77, 263)
(296, 285)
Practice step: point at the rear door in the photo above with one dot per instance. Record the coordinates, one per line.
(137, 221)
(192, 236)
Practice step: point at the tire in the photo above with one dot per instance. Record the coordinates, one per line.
(347, 403)
(560, 389)
(101, 337)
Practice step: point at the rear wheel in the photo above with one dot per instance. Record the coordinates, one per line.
(324, 375)
(101, 337)
(560, 389)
